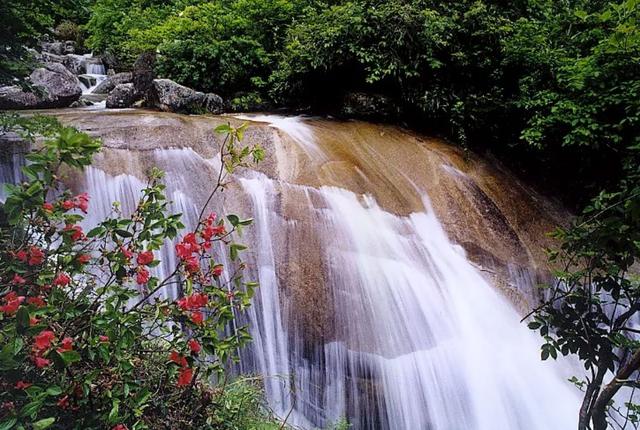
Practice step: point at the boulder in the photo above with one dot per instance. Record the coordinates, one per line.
(56, 48)
(143, 72)
(112, 81)
(170, 96)
(69, 47)
(122, 96)
(53, 86)
(369, 106)
(75, 63)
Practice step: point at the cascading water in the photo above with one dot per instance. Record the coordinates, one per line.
(399, 329)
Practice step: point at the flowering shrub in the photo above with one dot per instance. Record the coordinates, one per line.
(86, 341)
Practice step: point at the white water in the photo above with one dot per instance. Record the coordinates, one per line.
(422, 341)
(98, 77)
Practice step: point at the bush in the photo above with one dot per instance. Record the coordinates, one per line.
(85, 341)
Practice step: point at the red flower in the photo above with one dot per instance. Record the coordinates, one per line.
(192, 265)
(103, 338)
(178, 359)
(21, 255)
(12, 302)
(194, 346)
(22, 385)
(145, 258)
(36, 256)
(185, 376)
(217, 270)
(213, 230)
(76, 232)
(48, 207)
(37, 301)
(83, 258)
(18, 280)
(120, 427)
(41, 362)
(197, 317)
(33, 321)
(66, 344)
(142, 277)
(126, 253)
(67, 205)
(188, 246)
(81, 202)
(194, 301)
(43, 340)
(61, 280)
(63, 403)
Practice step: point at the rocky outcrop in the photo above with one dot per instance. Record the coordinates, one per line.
(143, 73)
(122, 96)
(53, 86)
(112, 81)
(170, 96)
(369, 106)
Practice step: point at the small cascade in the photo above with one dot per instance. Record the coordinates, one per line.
(96, 69)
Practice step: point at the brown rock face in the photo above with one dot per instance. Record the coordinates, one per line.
(500, 222)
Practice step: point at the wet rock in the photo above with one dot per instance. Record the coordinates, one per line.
(87, 80)
(81, 103)
(52, 86)
(112, 81)
(170, 96)
(369, 106)
(122, 96)
(75, 63)
(94, 98)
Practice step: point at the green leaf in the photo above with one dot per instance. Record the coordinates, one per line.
(124, 233)
(8, 423)
(31, 409)
(233, 219)
(44, 423)
(54, 390)
(22, 320)
(69, 357)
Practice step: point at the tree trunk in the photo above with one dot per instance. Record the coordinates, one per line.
(599, 412)
(590, 394)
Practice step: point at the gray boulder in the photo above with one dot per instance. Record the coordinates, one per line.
(53, 86)
(56, 48)
(75, 63)
(112, 81)
(122, 96)
(143, 72)
(169, 96)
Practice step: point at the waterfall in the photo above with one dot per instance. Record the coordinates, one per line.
(361, 312)
(96, 69)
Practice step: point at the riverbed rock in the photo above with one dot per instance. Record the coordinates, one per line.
(122, 96)
(53, 86)
(112, 81)
(170, 96)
